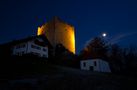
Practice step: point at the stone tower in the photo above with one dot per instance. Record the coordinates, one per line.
(59, 32)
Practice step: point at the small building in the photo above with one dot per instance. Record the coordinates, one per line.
(36, 45)
(95, 65)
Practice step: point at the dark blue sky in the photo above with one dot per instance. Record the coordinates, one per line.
(118, 18)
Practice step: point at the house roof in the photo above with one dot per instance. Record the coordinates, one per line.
(94, 60)
(15, 42)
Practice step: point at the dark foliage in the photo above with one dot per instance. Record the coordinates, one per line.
(96, 48)
(115, 58)
(123, 60)
(64, 57)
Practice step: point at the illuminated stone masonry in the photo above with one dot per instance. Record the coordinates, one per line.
(59, 32)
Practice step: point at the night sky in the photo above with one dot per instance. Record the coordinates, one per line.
(118, 18)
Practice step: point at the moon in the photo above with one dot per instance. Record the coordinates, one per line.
(104, 34)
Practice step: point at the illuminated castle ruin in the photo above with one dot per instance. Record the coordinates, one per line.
(59, 32)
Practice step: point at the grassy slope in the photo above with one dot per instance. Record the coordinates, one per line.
(39, 75)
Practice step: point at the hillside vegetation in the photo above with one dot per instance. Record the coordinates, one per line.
(42, 76)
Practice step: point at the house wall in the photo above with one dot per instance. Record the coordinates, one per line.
(30, 47)
(38, 50)
(20, 49)
(104, 66)
(90, 63)
(100, 66)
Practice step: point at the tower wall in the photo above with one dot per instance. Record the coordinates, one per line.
(58, 32)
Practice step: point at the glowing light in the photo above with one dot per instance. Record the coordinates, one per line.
(72, 42)
(40, 31)
(104, 34)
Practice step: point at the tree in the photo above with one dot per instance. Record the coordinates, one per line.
(63, 56)
(116, 57)
(96, 48)
(131, 60)
(123, 60)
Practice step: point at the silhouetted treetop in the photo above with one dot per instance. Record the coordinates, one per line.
(96, 48)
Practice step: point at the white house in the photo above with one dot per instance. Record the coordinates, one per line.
(36, 45)
(95, 65)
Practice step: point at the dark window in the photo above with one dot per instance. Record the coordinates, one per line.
(84, 64)
(44, 49)
(44, 55)
(18, 53)
(91, 68)
(32, 46)
(23, 52)
(23, 45)
(95, 63)
(34, 53)
(36, 47)
(20, 46)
